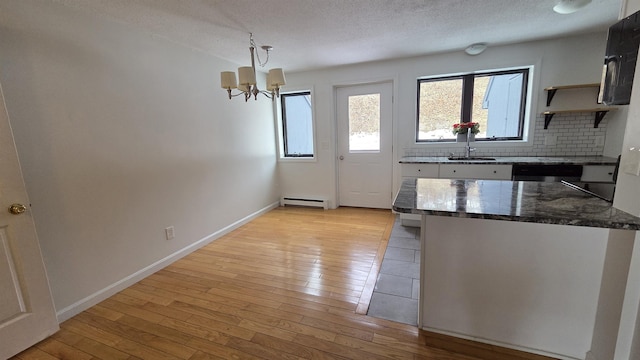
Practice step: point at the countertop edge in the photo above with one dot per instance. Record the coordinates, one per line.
(406, 201)
(511, 160)
(537, 220)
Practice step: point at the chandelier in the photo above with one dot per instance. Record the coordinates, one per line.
(247, 77)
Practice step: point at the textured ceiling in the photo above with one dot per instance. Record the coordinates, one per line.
(309, 34)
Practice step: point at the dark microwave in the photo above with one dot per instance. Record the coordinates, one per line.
(620, 61)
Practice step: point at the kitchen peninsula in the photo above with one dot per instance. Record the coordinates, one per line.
(513, 263)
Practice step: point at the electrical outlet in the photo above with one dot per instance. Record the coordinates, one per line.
(630, 162)
(169, 233)
(600, 140)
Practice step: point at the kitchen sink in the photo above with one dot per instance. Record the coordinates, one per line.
(470, 158)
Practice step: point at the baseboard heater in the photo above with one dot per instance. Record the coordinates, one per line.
(304, 202)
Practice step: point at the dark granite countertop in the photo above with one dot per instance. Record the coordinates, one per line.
(541, 160)
(525, 201)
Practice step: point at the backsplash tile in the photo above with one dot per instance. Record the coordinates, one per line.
(575, 136)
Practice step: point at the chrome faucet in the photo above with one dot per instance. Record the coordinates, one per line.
(468, 149)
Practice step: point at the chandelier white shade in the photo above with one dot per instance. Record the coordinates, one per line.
(228, 80)
(275, 78)
(246, 80)
(246, 75)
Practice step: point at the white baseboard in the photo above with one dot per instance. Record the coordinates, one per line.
(411, 220)
(503, 344)
(103, 294)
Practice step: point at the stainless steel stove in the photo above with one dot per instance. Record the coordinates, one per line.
(604, 191)
(569, 175)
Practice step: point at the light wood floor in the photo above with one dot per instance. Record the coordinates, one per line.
(292, 284)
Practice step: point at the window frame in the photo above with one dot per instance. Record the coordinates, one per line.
(280, 109)
(467, 102)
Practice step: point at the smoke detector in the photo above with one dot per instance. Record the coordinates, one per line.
(475, 49)
(570, 6)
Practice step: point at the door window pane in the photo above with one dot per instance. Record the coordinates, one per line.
(364, 122)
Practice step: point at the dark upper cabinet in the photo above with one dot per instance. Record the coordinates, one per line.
(620, 61)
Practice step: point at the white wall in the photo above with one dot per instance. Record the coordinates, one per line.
(628, 184)
(120, 135)
(571, 60)
(623, 341)
(536, 291)
(618, 255)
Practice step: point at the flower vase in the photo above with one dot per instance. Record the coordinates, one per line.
(463, 138)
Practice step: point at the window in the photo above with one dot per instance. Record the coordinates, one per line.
(496, 100)
(297, 124)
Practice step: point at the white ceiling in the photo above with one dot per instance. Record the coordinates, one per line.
(309, 34)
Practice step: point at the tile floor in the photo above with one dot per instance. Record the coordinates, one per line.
(395, 296)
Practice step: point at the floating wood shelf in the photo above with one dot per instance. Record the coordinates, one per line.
(551, 90)
(600, 113)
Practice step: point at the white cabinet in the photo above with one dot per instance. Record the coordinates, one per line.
(451, 171)
(597, 173)
(475, 171)
(420, 170)
(417, 171)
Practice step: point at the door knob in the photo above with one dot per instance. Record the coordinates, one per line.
(17, 209)
(341, 157)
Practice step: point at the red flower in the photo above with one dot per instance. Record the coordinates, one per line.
(462, 128)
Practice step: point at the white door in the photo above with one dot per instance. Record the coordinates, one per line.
(364, 114)
(27, 314)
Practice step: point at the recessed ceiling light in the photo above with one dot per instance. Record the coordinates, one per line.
(475, 49)
(570, 6)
